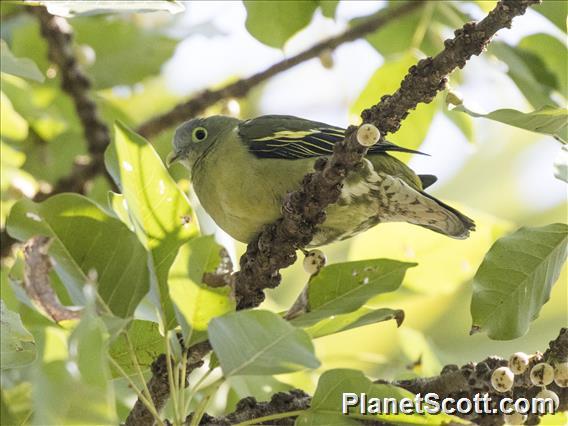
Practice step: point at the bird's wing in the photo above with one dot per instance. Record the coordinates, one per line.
(288, 137)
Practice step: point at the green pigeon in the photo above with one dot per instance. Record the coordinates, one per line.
(241, 171)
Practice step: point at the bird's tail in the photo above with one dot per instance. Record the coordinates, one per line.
(455, 224)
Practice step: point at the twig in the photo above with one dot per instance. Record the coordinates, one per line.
(59, 36)
(240, 88)
(159, 387)
(36, 280)
(454, 382)
(303, 210)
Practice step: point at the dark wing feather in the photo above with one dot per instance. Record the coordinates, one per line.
(288, 137)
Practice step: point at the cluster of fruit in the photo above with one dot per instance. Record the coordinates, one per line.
(541, 374)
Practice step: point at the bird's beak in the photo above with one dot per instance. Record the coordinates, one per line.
(172, 158)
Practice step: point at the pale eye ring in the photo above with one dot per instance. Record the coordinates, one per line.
(199, 134)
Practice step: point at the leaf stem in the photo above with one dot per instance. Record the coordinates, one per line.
(147, 403)
(172, 382)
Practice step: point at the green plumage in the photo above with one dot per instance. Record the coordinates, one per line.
(241, 171)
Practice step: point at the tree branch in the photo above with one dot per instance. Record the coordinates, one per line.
(36, 280)
(303, 210)
(454, 382)
(240, 88)
(59, 36)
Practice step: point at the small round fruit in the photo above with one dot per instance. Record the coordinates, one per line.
(368, 134)
(518, 362)
(542, 374)
(561, 374)
(515, 418)
(314, 261)
(545, 394)
(326, 58)
(502, 379)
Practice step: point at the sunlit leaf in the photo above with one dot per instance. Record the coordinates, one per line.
(85, 238)
(553, 54)
(359, 318)
(561, 164)
(274, 22)
(159, 211)
(16, 404)
(12, 125)
(528, 72)
(17, 346)
(515, 280)
(77, 369)
(345, 287)
(555, 11)
(22, 67)
(196, 303)
(147, 344)
(73, 8)
(260, 343)
(546, 120)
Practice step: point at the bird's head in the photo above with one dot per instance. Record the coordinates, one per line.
(195, 138)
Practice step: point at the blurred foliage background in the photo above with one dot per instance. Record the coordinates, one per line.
(143, 64)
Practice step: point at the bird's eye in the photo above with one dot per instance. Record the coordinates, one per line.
(199, 134)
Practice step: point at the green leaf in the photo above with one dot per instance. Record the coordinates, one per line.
(76, 368)
(553, 54)
(85, 238)
(515, 279)
(345, 287)
(419, 29)
(196, 303)
(385, 81)
(546, 120)
(159, 211)
(561, 164)
(463, 122)
(73, 8)
(12, 125)
(359, 318)
(16, 406)
(147, 343)
(528, 72)
(274, 22)
(328, 7)
(21, 67)
(327, 403)
(555, 11)
(17, 344)
(116, 42)
(260, 343)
